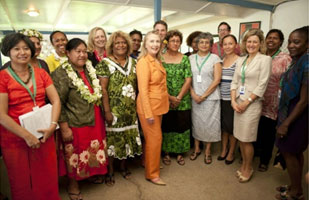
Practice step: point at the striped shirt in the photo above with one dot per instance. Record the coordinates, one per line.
(226, 80)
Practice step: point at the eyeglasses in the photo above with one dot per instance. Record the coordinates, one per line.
(223, 30)
(174, 41)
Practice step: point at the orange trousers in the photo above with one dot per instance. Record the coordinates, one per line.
(153, 143)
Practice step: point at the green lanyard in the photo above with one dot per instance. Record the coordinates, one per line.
(285, 74)
(243, 68)
(203, 62)
(40, 64)
(277, 52)
(32, 95)
(219, 49)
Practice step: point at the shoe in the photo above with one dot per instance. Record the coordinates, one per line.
(166, 160)
(125, 173)
(283, 188)
(194, 155)
(208, 159)
(180, 160)
(220, 158)
(75, 196)
(238, 173)
(157, 181)
(110, 179)
(262, 168)
(286, 196)
(243, 179)
(228, 162)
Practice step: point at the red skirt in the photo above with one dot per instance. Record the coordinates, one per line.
(86, 155)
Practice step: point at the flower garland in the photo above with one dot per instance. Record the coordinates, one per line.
(32, 33)
(81, 87)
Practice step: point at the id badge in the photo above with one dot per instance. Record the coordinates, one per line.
(242, 90)
(35, 108)
(279, 93)
(199, 78)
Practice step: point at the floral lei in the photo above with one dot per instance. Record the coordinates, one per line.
(81, 87)
(32, 33)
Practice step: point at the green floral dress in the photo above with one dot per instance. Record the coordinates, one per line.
(176, 124)
(123, 138)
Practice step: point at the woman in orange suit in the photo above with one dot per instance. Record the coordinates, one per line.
(152, 103)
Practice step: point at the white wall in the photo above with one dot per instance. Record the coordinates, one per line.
(289, 16)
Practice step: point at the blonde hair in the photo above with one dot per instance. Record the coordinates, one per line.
(112, 38)
(144, 51)
(251, 32)
(91, 37)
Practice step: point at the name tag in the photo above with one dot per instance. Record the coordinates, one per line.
(242, 90)
(199, 78)
(36, 108)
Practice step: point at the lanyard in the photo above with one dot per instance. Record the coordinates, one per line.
(32, 95)
(203, 62)
(286, 74)
(40, 64)
(219, 49)
(277, 52)
(243, 68)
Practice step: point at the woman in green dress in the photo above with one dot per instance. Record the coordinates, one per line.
(176, 123)
(117, 76)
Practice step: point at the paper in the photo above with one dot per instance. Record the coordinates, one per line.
(36, 120)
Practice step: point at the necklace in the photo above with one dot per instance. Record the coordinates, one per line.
(95, 97)
(29, 76)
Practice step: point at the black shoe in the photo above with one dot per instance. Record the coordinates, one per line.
(228, 162)
(220, 158)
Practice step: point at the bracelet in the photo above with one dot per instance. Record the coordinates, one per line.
(54, 123)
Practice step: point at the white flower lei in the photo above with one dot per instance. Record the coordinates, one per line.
(81, 87)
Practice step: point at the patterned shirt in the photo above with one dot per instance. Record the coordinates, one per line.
(226, 80)
(271, 101)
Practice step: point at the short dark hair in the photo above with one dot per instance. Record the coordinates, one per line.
(74, 43)
(136, 32)
(279, 32)
(173, 33)
(225, 23)
(161, 22)
(230, 35)
(191, 37)
(303, 30)
(53, 33)
(12, 39)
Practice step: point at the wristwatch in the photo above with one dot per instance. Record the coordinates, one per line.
(250, 100)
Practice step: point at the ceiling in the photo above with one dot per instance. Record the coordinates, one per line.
(82, 15)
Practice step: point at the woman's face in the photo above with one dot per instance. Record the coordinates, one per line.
(136, 41)
(59, 43)
(229, 45)
(20, 54)
(253, 44)
(194, 45)
(153, 44)
(78, 56)
(37, 45)
(174, 43)
(204, 45)
(273, 41)
(99, 39)
(120, 47)
(297, 44)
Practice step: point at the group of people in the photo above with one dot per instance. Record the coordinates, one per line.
(102, 91)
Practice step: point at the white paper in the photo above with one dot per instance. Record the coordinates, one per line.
(37, 119)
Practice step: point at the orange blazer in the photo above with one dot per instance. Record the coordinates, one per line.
(152, 98)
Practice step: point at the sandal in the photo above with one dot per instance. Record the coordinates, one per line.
(262, 168)
(243, 179)
(194, 155)
(109, 179)
(286, 196)
(283, 188)
(96, 180)
(125, 173)
(75, 196)
(167, 160)
(180, 160)
(208, 159)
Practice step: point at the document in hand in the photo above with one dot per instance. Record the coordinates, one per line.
(38, 119)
